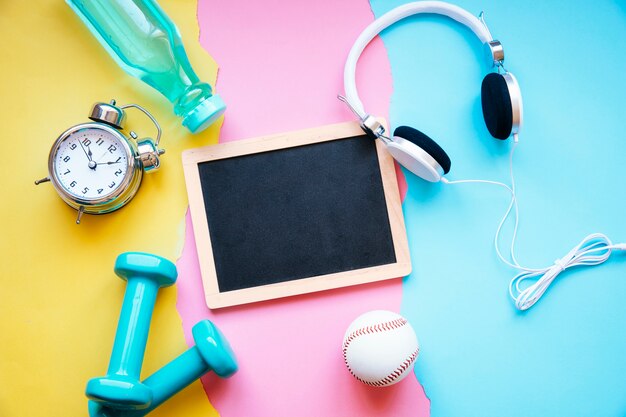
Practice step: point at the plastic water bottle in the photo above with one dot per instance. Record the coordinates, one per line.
(144, 41)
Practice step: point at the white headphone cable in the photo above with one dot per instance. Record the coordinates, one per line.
(512, 205)
(594, 249)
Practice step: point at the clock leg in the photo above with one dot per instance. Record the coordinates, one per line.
(81, 210)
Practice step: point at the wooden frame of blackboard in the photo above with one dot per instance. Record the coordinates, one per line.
(216, 299)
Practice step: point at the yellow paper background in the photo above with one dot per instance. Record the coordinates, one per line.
(59, 298)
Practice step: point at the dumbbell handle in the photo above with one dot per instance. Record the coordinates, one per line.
(133, 326)
(175, 376)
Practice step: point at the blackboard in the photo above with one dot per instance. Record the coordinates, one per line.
(294, 213)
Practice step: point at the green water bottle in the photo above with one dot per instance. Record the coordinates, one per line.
(144, 41)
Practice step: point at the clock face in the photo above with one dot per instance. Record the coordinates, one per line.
(91, 163)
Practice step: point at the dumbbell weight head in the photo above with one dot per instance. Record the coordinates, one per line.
(137, 264)
(214, 348)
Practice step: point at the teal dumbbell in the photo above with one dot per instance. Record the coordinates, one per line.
(212, 352)
(121, 388)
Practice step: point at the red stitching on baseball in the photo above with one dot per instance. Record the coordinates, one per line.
(389, 325)
(389, 378)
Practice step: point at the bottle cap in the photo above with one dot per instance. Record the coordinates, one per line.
(204, 114)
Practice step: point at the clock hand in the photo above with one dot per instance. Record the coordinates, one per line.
(83, 148)
(91, 164)
(117, 161)
(101, 156)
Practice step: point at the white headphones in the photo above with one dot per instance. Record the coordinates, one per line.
(501, 97)
(502, 110)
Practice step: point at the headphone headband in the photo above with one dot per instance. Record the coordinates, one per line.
(433, 7)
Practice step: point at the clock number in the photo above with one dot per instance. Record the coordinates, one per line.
(67, 158)
(73, 146)
(100, 141)
(85, 190)
(66, 172)
(73, 184)
(100, 190)
(118, 172)
(112, 184)
(86, 142)
(112, 148)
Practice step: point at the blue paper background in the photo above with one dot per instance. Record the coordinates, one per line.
(567, 355)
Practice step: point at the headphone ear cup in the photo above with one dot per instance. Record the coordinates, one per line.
(497, 105)
(419, 154)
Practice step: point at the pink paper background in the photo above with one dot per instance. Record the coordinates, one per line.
(281, 66)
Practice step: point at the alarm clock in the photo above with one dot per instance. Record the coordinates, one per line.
(95, 168)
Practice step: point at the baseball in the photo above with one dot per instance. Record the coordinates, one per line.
(380, 348)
